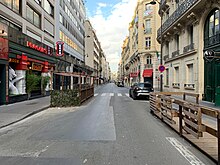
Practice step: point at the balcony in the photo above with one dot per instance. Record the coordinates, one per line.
(180, 11)
(212, 40)
(148, 66)
(175, 54)
(189, 86)
(188, 48)
(176, 85)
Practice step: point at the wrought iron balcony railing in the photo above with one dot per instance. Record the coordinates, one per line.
(212, 40)
(188, 48)
(177, 85)
(148, 66)
(189, 86)
(175, 54)
(181, 10)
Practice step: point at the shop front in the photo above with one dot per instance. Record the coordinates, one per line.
(28, 57)
(3, 70)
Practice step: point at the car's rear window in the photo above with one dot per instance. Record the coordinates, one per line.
(146, 85)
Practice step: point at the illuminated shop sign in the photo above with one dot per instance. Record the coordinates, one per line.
(41, 49)
(14, 60)
(37, 67)
(60, 51)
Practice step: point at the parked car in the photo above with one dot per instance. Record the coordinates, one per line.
(140, 89)
(120, 84)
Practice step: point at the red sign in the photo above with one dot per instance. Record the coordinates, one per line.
(60, 50)
(161, 68)
(3, 48)
(134, 74)
(36, 47)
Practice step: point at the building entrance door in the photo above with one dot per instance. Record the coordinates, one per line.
(2, 84)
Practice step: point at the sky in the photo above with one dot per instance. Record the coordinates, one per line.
(110, 19)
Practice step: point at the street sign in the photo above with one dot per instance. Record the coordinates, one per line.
(161, 68)
(209, 55)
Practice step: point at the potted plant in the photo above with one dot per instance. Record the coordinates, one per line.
(31, 82)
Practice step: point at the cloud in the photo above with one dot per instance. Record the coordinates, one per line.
(112, 28)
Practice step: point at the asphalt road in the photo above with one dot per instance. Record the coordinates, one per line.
(110, 128)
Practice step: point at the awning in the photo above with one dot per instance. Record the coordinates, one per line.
(148, 73)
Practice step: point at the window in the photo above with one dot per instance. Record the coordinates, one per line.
(167, 48)
(48, 7)
(33, 17)
(176, 74)
(177, 41)
(190, 32)
(167, 77)
(148, 26)
(149, 60)
(147, 42)
(38, 1)
(212, 27)
(190, 74)
(12, 4)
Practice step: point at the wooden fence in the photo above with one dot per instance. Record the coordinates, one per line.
(187, 117)
(86, 91)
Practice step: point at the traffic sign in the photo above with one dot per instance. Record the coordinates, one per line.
(161, 68)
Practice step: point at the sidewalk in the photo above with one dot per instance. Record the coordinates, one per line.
(16, 112)
(13, 113)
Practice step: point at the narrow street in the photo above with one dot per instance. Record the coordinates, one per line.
(110, 128)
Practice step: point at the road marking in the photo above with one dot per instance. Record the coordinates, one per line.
(127, 94)
(192, 159)
(119, 94)
(111, 94)
(103, 94)
(96, 94)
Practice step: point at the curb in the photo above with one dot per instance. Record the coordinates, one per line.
(26, 116)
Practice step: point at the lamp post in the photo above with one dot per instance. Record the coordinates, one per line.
(153, 2)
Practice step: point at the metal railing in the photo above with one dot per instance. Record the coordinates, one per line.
(212, 40)
(176, 53)
(188, 48)
(181, 10)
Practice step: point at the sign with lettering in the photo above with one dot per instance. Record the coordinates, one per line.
(37, 67)
(209, 55)
(60, 50)
(41, 49)
(14, 60)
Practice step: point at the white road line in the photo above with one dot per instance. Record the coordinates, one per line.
(96, 94)
(103, 94)
(127, 94)
(119, 94)
(111, 94)
(185, 152)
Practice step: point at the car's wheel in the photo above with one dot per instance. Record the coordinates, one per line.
(130, 94)
(134, 97)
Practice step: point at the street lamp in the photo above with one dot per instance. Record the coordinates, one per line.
(153, 2)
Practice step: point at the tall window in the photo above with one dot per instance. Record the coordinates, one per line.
(49, 8)
(212, 27)
(12, 4)
(176, 74)
(167, 76)
(147, 42)
(33, 17)
(149, 60)
(148, 26)
(190, 74)
(177, 41)
(190, 32)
